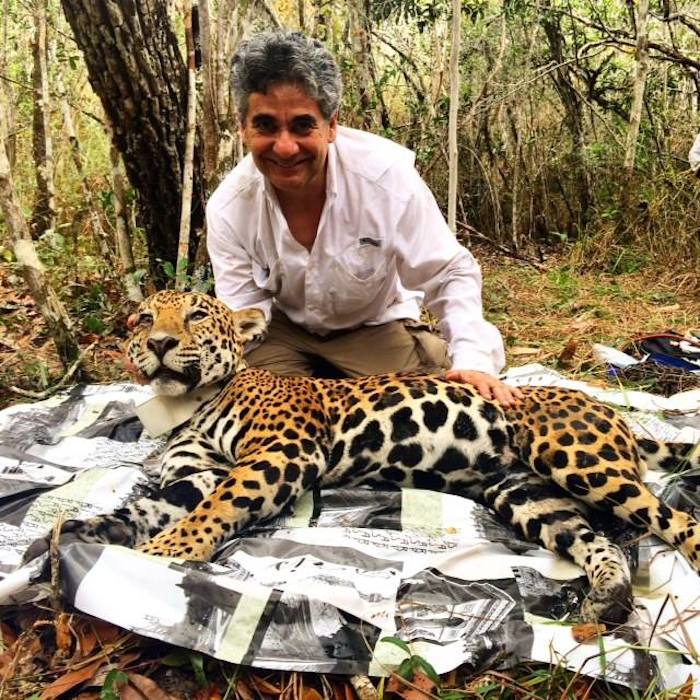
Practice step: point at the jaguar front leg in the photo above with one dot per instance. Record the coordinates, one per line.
(190, 472)
(259, 487)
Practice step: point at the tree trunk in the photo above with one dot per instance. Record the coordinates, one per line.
(98, 230)
(7, 86)
(210, 126)
(44, 215)
(453, 116)
(640, 79)
(186, 209)
(57, 322)
(135, 67)
(126, 256)
(571, 101)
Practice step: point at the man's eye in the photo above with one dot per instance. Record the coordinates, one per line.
(303, 128)
(265, 127)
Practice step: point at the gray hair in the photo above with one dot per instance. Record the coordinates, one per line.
(285, 56)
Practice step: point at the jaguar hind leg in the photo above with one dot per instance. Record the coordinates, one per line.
(608, 478)
(543, 513)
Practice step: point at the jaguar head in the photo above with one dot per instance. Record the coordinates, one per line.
(184, 340)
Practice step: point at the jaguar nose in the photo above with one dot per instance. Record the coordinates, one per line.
(159, 346)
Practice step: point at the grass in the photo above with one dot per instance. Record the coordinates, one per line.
(542, 313)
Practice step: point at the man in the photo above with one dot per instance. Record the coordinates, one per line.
(333, 234)
(694, 156)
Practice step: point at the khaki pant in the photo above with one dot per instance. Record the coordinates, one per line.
(396, 346)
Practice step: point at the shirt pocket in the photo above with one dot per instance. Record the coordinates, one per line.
(269, 277)
(360, 271)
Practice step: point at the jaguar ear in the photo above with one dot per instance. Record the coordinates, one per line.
(250, 324)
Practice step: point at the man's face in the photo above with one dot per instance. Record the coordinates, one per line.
(288, 137)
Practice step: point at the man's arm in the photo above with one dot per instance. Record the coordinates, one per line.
(233, 267)
(431, 260)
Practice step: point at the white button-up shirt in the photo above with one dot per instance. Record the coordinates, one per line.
(382, 249)
(694, 155)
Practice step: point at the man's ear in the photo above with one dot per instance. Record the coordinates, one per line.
(250, 323)
(333, 128)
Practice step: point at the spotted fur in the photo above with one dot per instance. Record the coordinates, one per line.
(263, 440)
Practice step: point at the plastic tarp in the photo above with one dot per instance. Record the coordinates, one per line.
(318, 589)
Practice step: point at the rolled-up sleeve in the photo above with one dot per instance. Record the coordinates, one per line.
(430, 259)
(233, 267)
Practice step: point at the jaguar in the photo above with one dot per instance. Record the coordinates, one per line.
(262, 440)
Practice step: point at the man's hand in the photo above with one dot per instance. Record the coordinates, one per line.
(488, 386)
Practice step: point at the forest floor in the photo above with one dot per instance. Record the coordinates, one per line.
(551, 315)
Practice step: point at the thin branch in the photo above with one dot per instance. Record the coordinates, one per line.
(40, 395)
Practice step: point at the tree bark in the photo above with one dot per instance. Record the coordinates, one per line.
(44, 215)
(186, 209)
(210, 126)
(571, 101)
(126, 256)
(135, 67)
(640, 79)
(7, 86)
(55, 317)
(453, 117)
(98, 230)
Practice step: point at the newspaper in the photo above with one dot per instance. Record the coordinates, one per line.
(318, 589)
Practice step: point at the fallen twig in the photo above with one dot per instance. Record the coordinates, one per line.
(364, 687)
(499, 246)
(39, 395)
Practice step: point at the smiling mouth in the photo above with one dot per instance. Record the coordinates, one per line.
(287, 166)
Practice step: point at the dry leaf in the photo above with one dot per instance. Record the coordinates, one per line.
(209, 693)
(8, 635)
(106, 632)
(586, 631)
(420, 686)
(243, 689)
(567, 354)
(519, 350)
(685, 692)
(71, 679)
(147, 687)
(264, 686)
(87, 639)
(310, 694)
(64, 637)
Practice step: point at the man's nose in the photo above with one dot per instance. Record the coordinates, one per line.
(285, 145)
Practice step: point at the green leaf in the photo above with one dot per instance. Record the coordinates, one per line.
(427, 668)
(176, 659)
(110, 689)
(197, 663)
(397, 642)
(95, 325)
(169, 269)
(407, 668)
